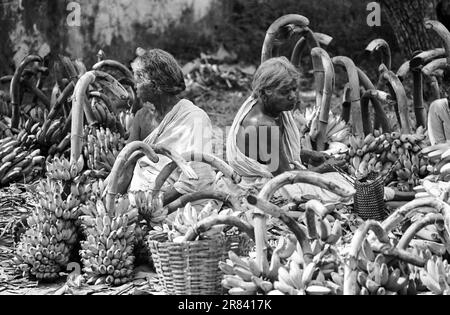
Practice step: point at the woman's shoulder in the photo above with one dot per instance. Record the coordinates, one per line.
(193, 109)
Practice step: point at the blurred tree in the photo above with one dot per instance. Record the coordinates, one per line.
(407, 19)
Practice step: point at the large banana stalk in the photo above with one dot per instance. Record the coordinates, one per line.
(430, 219)
(66, 93)
(122, 158)
(270, 209)
(397, 89)
(443, 32)
(15, 88)
(375, 97)
(419, 109)
(429, 72)
(355, 95)
(403, 71)
(424, 58)
(208, 223)
(385, 51)
(275, 28)
(116, 65)
(318, 40)
(177, 159)
(351, 266)
(205, 195)
(321, 57)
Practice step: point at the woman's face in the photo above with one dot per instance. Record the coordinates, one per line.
(284, 99)
(145, 89)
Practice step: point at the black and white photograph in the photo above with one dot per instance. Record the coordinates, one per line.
(224, 152)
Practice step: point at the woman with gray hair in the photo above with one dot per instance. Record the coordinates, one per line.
(174, 123)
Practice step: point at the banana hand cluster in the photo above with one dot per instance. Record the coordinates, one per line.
(101, 150)
(17, 163)
(380, 154)
(150, 209)
(104, 116)
(439, 160)
(60, 169)
(107, 254)
(436, 276)
(126, 119)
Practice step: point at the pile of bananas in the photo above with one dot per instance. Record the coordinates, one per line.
(105, 117)
(101, 150)
(439, 160)
(61, 169)
(436, 276)
(377, 278)
(46, 247)
(107, 254)
(18, 163)
(380, 152)
(189, 216)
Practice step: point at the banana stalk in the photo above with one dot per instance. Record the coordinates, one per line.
(443, 32)
(403, 71)
(419, 109)
(274, 29)
(398, 90)
(314, 208)
(351, 267)
(298, 51)
(385, 51)
(208, 223)
(424, 58)
(66, 93)
(205, 195)
(374, 97)
(15, 88)
(355, 95)
(314, 40)
(179, 160)
(116, 65)
(399, 254)
(119, 165)
(320, 56)
(429, 219)
(272, 210)
(429, 71)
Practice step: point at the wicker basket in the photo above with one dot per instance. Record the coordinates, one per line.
(369, 198)
(189, 268)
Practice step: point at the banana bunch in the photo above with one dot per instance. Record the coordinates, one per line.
(105, 117)
(188, 217)
(46, 247)
(126, 119)
(380, 152)
(151, 210)
(338, 130)
(436, 276)
(377, 278)
(440, 190)
(107, 253)
(51, 133)
(439, 160)
(60, 169)
(101, 150)
(18, 163)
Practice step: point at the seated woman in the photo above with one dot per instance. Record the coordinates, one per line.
(175, 123)
(264, 141)
(439, 115)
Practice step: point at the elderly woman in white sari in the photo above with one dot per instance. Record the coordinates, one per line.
(178, 125)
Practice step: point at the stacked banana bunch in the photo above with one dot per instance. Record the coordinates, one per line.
(379, 153)
(439, 160)
(188, 217)
(105, 117)
(151, 210)
(18, 163)
(101, 150)
(289, 272)
(436, 276)
(62, 170)
(107, 254)
(46, 247)
(377, 278)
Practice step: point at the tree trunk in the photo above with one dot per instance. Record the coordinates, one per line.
(407, 19)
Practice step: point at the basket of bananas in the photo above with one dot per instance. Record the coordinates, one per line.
(187, 257)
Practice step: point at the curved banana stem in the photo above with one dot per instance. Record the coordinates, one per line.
(351, 267)
(205, 195)
(215, 162)
(430, 219)
(424, 58)
(400, 94)
(355, 94)
(433, 66)
(78, 106)
(116, 65)
(298, 51)
(208, 223)
(385, 51)
(320, 56)
(374, 97)
(15, 88)
(274, 29)
(443, 32)
(419, 109)
(177, 159)
(305, 177)
(410, 208)
(314, 208)
(403, 71)
(272, 210)
(66, 93)
(119, 165)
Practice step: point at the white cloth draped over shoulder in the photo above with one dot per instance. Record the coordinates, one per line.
(184, 129)
(255, 174)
